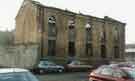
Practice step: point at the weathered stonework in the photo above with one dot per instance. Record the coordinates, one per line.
(32, 27)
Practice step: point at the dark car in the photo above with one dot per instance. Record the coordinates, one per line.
(49, 66)
(107, 73)
(78, 66)
(16, 74)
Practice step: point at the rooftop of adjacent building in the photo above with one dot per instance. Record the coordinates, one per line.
(130, 48)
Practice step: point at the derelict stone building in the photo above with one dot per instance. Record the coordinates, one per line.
(65, 35)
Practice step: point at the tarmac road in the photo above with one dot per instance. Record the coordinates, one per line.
(72, 76)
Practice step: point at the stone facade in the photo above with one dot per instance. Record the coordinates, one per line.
(65, 35)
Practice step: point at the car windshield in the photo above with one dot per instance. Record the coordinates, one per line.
(77, 63)
(17, 76)
(47, 63)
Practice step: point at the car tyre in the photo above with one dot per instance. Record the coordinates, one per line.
(41, 71)
(60, 70)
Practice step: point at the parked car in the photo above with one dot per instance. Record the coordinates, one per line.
(78, 66)
(131, 64)
(123, 64)
(16, 74)
(107, 73)
(48, 66)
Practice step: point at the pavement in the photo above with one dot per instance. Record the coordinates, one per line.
(72, 76)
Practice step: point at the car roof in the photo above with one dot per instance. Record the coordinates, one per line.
(11, 70)
(108, 66)
(104, 66)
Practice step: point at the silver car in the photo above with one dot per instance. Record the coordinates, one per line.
(49, 66)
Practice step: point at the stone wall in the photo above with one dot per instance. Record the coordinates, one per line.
(19, 56)
(6, 38)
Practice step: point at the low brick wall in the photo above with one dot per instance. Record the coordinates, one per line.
(19, 56)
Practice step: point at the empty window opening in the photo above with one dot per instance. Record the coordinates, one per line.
(103, 51)
(116, 52)
(89, 49)
(71, 49)
(51, 47)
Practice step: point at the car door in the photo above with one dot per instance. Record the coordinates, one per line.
(46, 67)
(52, 67)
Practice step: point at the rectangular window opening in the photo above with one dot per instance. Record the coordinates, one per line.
(89, 49)
(51, 47)
(71, 49)
(103, 51)
(116, 52)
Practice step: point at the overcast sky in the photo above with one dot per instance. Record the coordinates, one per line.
(122, 10)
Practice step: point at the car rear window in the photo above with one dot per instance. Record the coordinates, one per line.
(107, 71)
(98, 70)
(118, 73)
(130, 73)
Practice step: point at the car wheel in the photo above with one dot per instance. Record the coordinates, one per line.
(60, 70)
(41, 71)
